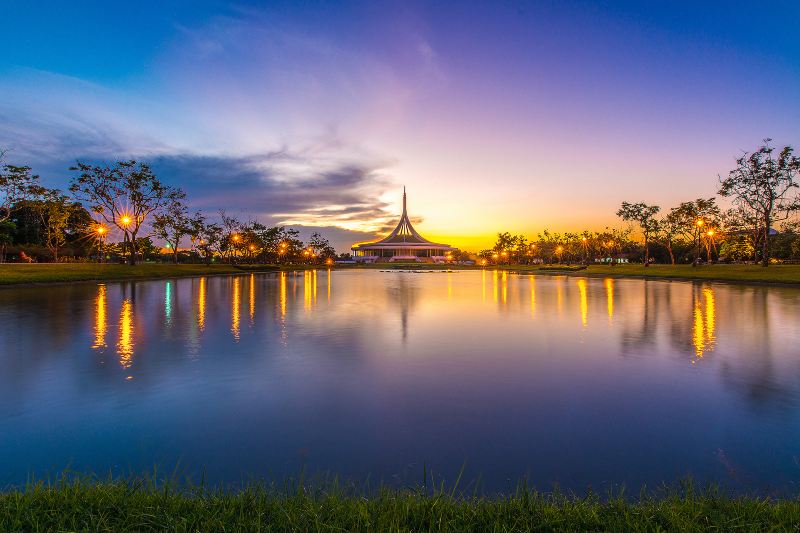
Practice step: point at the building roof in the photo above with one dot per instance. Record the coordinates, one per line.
(404, 235)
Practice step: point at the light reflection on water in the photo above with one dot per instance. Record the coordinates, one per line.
(571, 380)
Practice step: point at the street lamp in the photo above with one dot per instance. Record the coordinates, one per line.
(101, 231)
(699, 223)
(126, 221)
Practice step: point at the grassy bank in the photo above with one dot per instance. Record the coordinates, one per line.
(728, 273)
(20, 274)
(781, 274)
(139, 506)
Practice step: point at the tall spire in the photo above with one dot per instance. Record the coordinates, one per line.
(404, 200)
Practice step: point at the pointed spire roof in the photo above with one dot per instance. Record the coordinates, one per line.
(404, 232)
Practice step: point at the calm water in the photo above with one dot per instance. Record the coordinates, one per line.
(561, 380)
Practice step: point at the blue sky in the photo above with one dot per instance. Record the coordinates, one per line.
(496, 115)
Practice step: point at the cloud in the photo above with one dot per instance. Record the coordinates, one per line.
(282, 187)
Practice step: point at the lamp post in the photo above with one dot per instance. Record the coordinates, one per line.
(101, 231)
(125, 221)
(235, 238)
(709, 244)
(585, 242)
(699, 224)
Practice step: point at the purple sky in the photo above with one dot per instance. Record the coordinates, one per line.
(495, 115)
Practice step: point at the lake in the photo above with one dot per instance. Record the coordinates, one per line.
(565, 381)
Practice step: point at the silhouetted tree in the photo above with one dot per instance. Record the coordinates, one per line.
(124, 194)
(645, 216)
(766, 185)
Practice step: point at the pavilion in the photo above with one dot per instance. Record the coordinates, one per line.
(402, 244)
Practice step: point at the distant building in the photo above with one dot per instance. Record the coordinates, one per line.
(402, 244)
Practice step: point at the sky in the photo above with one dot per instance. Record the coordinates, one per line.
(496, 116)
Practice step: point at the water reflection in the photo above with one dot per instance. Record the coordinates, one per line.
(704, 313)
(532, 280)
(126, 330)
(201, 304)
(584, 301)
(363, 382)
(100, 319)
(310, 288)
(168, 303)
(251, 292)
(236, 306)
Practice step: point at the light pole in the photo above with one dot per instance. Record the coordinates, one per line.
(100, 230)
(126, 222)
(709, 244)
(585, 250)
(699, 225)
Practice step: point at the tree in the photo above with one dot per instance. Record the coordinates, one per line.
(172, 225)
(645, 216)
(205, 236)
(669, 230)
(16, 184)
(765, 184)
(124, 194)
(54, 211)
(321, 247)
(692, 217)
(6, 237)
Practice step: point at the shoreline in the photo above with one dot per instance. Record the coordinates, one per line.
(85, 273)
(15, 275)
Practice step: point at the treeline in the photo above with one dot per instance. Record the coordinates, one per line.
(126, 199)
(763, 190)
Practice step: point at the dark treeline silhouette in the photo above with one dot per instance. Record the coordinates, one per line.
(113, 212)
(763, 190)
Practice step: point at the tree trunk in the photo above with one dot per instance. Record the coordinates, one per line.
(175, 255)
(765, 244)
(132, 249)
(646, 252)
(671, 255)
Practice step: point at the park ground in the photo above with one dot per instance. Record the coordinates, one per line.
(141, 506)
(16, 274)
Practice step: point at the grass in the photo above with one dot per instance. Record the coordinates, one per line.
(139, 505)
(779, 274)
(21, 274)
(15, 273)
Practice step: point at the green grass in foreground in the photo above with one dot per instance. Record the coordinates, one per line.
(141, 506)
